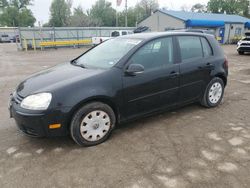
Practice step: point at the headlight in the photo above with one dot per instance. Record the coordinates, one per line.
(38, 101)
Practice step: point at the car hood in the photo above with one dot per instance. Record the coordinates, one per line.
(58, 76)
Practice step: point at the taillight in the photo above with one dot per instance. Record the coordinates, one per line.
(225, 63)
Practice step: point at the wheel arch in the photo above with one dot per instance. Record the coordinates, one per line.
(104, 99)
(223, 77)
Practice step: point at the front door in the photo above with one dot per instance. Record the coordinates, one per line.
(158, 85)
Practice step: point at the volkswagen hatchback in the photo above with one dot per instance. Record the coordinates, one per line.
(119, 80)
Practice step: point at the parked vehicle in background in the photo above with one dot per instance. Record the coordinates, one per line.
(98, 40)
(4, 38)
(15, 39)
(244, 44)
(119, 80)
(141, 29)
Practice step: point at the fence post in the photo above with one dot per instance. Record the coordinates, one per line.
(54, 36)
(34, 40)
(20, 37)
(78, 38)
(34, 44)
(25, 44)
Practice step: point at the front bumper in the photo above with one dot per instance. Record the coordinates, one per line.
(243, 48)
(36, 123)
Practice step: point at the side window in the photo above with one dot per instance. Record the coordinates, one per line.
(124, 32)
(206, 47)
(237, 31)
(155, 54)
(190, 47)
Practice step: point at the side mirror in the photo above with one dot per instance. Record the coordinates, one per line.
(134, 69)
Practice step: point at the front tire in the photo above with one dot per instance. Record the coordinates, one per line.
(240, 52)
(214, 93)
(92, 124)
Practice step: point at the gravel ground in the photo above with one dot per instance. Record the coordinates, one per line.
(188, 147)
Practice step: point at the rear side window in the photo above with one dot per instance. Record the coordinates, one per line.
(190, 47)
(206, 47)
(124, 32)
(115, 34)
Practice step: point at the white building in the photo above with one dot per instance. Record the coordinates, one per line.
(226, 27)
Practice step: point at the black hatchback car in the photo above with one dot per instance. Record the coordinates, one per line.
(119, 80)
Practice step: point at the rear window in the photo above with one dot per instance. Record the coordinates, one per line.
(246, 39)
(5, 35)
(124, 33)
(206, 47)
(190, 47)
(115, 34)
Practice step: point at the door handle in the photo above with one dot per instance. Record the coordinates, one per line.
(174, 74)
(209, 65)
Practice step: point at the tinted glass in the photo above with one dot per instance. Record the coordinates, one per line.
(107, 54)
(115, 34)
(206, 47)
(124, 32)
(155, 54)
(190, 47)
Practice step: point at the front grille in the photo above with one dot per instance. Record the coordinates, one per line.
(18, 98)
(245, 44)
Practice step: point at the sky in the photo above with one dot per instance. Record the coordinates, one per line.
(40, 8)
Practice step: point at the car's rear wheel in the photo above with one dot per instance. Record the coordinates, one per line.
(240, 52)
(92, 124)
(214, 93)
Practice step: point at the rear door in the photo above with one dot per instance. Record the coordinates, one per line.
(195, 68)
(158, 85)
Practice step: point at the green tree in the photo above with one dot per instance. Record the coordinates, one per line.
(244, 8)
(26, 18)
(15, 13)
(3, 4)
(138, 13)
(135, 15)
(60, 13)
(102, 14)
(229, 7)
(20, 3)
(79, 18)
(198, 7)
(149, 6)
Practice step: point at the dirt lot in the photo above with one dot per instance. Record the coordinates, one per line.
(189, 147)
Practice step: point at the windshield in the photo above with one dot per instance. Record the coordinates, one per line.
(107, 54)
(246, 39)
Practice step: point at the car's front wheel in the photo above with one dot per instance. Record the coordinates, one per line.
(214, 93)
(240, 52)
(92, 124)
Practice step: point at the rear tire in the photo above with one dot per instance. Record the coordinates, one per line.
(92, 124)
(213, 93)
(240, 52)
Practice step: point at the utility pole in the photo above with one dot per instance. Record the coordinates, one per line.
(126, 13)
(249, 7)
(116, 16)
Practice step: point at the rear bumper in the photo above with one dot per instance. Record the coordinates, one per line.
(36, 124)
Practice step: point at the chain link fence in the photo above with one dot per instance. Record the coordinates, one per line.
(45, 37)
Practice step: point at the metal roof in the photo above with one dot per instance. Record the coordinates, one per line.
(182, 15)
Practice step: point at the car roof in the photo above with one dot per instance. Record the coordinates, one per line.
(152, 35)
